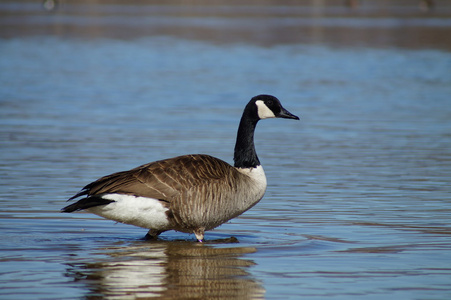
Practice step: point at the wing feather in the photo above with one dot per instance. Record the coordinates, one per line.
(164, 179)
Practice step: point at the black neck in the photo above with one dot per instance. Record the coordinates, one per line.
(245, 155)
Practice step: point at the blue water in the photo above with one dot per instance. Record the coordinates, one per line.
(358, 204)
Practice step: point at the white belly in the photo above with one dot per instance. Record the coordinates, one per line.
(139, 211)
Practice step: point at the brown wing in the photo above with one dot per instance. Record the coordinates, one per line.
(162, 179)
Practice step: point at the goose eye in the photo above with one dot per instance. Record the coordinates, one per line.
(269, 103)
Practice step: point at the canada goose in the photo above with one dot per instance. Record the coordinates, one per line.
(189, 193)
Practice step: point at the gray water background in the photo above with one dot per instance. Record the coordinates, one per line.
(358, 204)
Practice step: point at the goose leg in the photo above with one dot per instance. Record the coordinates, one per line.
(199, 235)
(152, 234)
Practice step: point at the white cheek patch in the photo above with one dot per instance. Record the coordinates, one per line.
(263, 111)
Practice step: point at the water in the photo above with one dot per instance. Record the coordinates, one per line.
(358, 204)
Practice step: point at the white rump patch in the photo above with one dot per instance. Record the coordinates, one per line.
(139, 211)
(263, 111)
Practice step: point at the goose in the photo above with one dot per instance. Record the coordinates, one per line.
(190, 193)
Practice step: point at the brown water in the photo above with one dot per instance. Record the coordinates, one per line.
(359, 199)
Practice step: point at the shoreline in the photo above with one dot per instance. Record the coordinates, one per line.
(265, 25)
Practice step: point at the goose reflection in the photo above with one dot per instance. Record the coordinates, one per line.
(170, 270)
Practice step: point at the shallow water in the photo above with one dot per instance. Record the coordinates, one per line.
(358, 203)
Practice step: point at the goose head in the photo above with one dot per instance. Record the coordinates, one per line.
(267, 106)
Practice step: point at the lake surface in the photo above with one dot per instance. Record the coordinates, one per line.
(358, 204)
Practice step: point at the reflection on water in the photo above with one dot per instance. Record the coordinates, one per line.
(173, 270)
